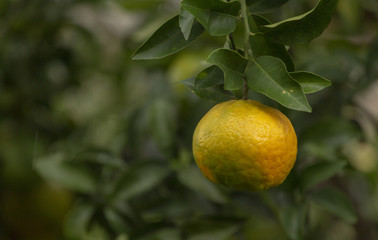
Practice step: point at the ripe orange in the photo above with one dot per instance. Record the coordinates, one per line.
(245, 145)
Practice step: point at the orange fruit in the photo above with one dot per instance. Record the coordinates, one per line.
(245, 145)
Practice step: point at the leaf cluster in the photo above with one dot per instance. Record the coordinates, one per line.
(114, 135)
(264, 64)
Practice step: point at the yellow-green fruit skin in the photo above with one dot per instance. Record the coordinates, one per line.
(245, 145)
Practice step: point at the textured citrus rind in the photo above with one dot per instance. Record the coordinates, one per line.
(245, 145)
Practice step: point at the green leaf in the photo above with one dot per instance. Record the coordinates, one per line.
(205, 229)
(268, 75)
(291, 220)
(335, 202)
(219, 234)
(260, 46)
(162, 123)
(192, 178)
(219, 18)
(186, 21)
(262, 6)
(162, 234)
(233, 66)
(140, 4)
(100, 157)
(319, 172)
(96, 232)
(331, 131)
(168, 39)
(116, 220)
(209, 77)
(321, 151)
(122, 236)
(140, 178)
(55, 168)
(214, 94)
(303, 28)
(77, 221)
(310, 82)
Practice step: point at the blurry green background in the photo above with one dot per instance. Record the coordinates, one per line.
(96, 146)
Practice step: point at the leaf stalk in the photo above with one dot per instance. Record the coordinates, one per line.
(247, 31)
(244, 12)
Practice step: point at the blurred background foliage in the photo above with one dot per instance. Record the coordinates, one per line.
(96, 146)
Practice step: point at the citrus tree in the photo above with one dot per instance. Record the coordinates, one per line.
(241, 143)
(95, 145)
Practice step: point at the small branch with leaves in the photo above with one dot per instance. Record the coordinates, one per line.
(266, 66)
(262, 64)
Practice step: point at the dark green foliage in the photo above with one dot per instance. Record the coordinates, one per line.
(336, 202)
(303, 28)
(261, 46)
(265, 39)
(168, 40)
(113, 136)
(233, 66)
(219, 18)
(269, 76)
